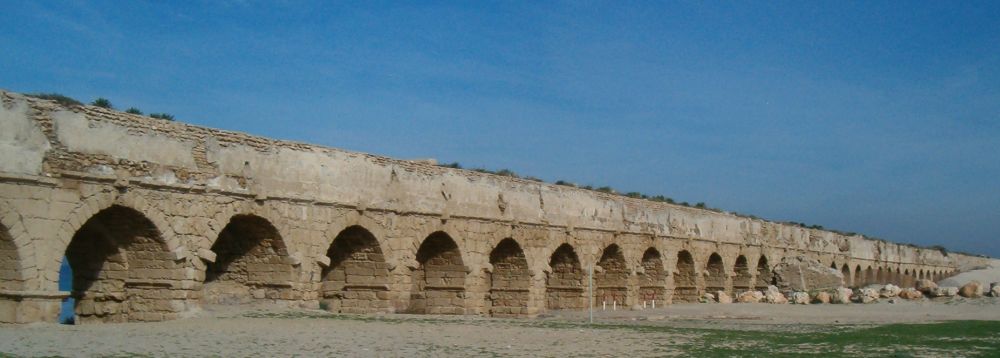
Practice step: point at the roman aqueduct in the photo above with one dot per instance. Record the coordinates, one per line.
(157, 218)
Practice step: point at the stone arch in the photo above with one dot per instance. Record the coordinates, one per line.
(846, 271)
(509, 280)
(93, 205)
(652, 282)
(251, 263)
(564, 286)
(123, 270)
(357, 278)
(870, 276)
(685, 279)
(859, 278)
(611, 281)
(439, 280)
(880, 277)
(764, 275)
(742, 277)
(715, 274)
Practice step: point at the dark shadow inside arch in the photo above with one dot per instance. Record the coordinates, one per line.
(870, 276)
(846, 272)
(9, 262)
(251, 263)
(685, 279)
(715, 275)
(121, 270)
(653, 281)
(742, 277)
(564, 286)
(612, 280)
(509, 280)
(357, 279)
(439, 282)
(859, 278)
(764, 276)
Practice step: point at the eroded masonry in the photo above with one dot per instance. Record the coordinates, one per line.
(158, 218)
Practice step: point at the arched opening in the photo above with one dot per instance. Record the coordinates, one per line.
(509, 280)
(357, 279)
(685, 279)
(652, 282)
(251, 263)
(880, 277)
(439, 282)
(742, 277)
(846, 272)
(122, 270)
(833, 265)
(715, 274)
(764, 275)
(859, 278)
(612, 279)
(9, 262)
(564, 286)
(891, 277)
(870, 276)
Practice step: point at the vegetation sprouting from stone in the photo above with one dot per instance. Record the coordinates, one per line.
(164, 116)
(133, 110)
(61, 99)
(668, 200)
(102, 102)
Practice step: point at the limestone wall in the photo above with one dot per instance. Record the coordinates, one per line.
(62, 167)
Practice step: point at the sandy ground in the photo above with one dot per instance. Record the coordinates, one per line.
(222, 331)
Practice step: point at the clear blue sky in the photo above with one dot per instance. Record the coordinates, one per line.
(875, 117)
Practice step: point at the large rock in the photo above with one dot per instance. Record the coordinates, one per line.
(842, 295)
(925, 286)
(822, 297)
(707, 298)
(750, 297)
(995, 289)
(773, 295)
(972, 289)
(800, 298)
(910, 294)
(946, 291)
(866, 295)
(723, 297)
(890, 291)
(803, 273)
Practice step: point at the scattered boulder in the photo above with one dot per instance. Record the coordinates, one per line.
(910, 294)
(800, 298)
(707, 298)
(866, 295)
(972, 289)
(995, 289)
(890, 291)
(803, 273)
(842, 295)
(773, 295)
(946, 291)
(822, 297)
(925, 286)
(750, 297)
(723, 297)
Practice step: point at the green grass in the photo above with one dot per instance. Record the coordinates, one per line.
(946, 339)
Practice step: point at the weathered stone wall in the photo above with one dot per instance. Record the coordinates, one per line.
(190, 215)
